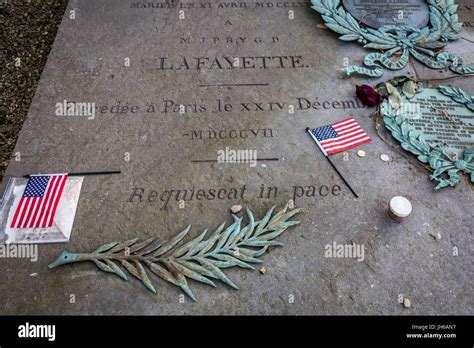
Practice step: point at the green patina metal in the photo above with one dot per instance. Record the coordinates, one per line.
(444, 160)
(197, 259)
(399, 42)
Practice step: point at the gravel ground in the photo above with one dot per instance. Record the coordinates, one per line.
(26, 35)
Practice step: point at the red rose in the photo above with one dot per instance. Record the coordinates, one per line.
(368, 95)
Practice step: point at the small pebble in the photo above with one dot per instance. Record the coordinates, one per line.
(33, 274)
(236, 208)
(406, 303)
(436, 236)
(263, 270)
(385, 158)
(361, 153)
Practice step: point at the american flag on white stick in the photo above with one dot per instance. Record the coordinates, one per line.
(39, 201)
(339, 136)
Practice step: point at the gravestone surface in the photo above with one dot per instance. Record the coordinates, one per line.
(142, 66)
(379, 13)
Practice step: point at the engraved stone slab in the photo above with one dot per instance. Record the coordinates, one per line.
(169, 95)
(378, 13)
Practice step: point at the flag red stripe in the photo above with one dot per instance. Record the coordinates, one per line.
(45, 201)
(25, 209)
(30, 211)
(344, 132)
(335, 141)
(49, 200)
(364, 141)
(347, 142)
(38, 212)
(39, 209)
(350, 119)
(17, 212)
(345, 126)
(34, 211)
(58, 197)
(32, 222)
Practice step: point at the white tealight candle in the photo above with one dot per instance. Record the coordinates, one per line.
(399, 208)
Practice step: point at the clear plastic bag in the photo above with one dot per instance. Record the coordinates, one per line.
(61, 229)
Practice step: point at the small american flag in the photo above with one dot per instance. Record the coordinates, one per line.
(340, 136)
(39, 202)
